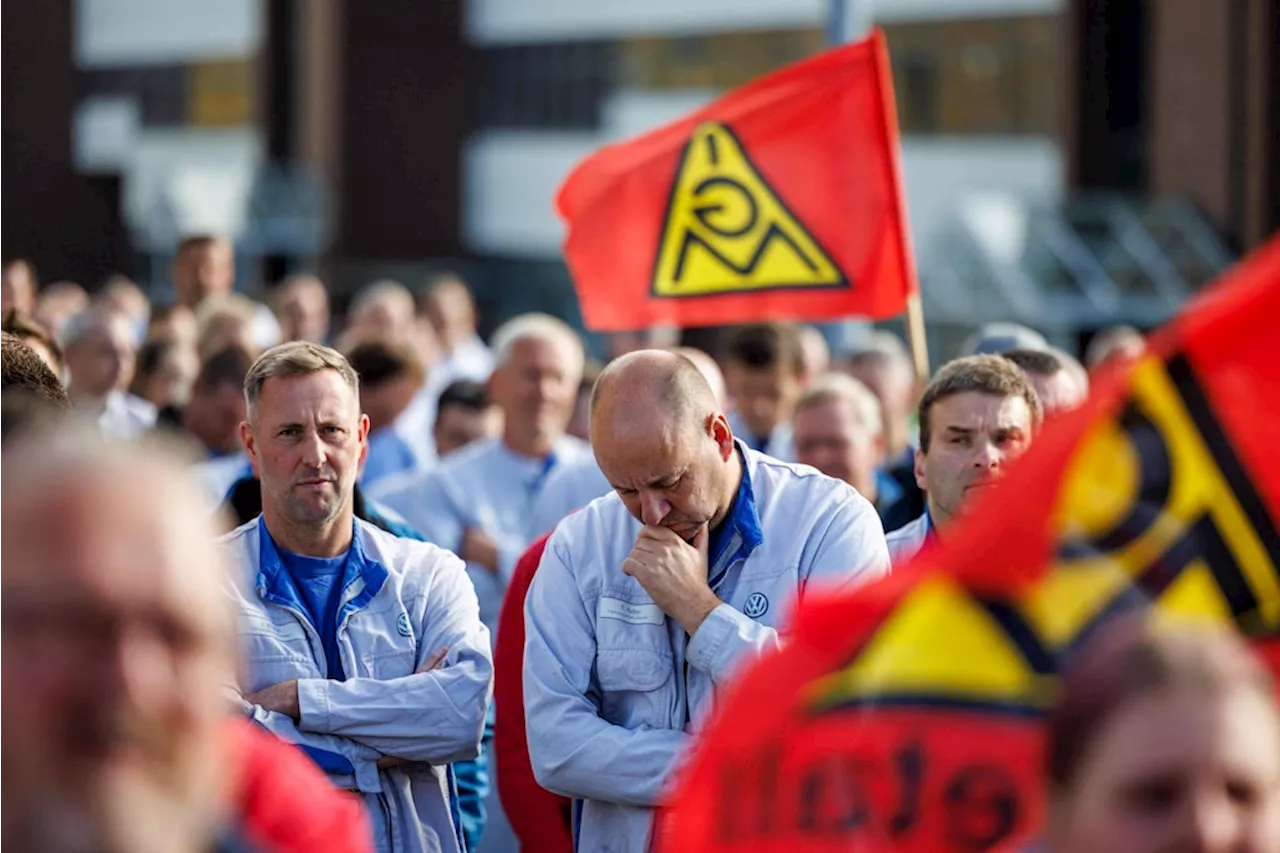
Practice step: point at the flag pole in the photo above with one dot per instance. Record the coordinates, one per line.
(916, 338)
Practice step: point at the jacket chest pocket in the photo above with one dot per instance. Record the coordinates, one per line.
(635, 670)
(273, 650)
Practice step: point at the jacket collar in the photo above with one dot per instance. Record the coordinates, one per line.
(362, 579)
(740, 533)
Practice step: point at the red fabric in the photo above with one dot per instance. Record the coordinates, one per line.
(540, 819)
(286, 804)
(822, 136)
(907, 716)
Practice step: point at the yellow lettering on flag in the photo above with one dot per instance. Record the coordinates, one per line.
(728, 231)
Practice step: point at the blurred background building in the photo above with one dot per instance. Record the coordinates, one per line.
(1068, 163)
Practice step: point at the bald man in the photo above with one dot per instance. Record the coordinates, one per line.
(117, 643)
(650, 598)
(573, 486)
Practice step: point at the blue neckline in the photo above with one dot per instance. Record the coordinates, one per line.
(743, 520)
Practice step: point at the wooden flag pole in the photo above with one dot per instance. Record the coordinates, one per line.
(916, 338)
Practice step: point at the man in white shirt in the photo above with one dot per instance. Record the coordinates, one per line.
(451, 311)
(478, 501)
(649, 599)
(98, 347)
(764, 369)
(978, 414)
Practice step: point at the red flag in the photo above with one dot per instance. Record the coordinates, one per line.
(781, 199)
(907, 716)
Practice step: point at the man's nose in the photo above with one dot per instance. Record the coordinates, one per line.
(988, 455)
(313, 450)
(653, 507)
(1214, 823)
(135, 666)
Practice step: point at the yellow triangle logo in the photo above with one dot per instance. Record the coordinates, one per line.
(937, 643)
(727, 231)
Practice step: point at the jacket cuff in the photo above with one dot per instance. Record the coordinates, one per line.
(313, 704)
(707, 646)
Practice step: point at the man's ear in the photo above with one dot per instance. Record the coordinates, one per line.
(919, 470)
(718, 428)
(250, 447)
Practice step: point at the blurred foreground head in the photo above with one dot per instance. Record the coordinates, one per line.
(117, 642)
(1164, 739)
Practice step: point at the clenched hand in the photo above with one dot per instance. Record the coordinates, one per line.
(674, 573)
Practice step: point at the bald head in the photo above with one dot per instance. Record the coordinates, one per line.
(649, 384)
(710, 371)
(662, 442)
(117, 641)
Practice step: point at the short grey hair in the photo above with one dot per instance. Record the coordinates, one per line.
(295, 358)
(97, 315)
(537, 326)
(842, 387)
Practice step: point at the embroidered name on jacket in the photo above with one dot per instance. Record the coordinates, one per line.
(636, 614)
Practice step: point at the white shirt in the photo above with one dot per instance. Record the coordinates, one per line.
(909, 539)
(125, 416)
(568, 487)
(486, 486)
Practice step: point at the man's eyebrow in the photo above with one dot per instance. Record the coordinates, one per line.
(665, 480)
(960, 429)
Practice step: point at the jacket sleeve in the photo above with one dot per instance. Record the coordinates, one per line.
(573, 750)
(848, 550)
(339, 757)
(435, 717)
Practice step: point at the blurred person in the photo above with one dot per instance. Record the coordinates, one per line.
(814, 353)
(234, 320)
(451, 310)
(176, 322)
(117, 643)
(1114, 344)
(1164, 738)
(383, 310)
(995, 338)
(164, 375)
(765, 371)
(1059, 388)
(395, 684)
(204, 265)
(98, 350)
(883, 364)
(978, 414)
(18, 286)
(579, 424)
(58, 303)
(23, 371)
(464, 415)
(478, 501)
(646, 600)
(34, 335)
(301, 304)
(212, 419)
(573, 486)
(839, 431)
(125, 296)
(391, 375)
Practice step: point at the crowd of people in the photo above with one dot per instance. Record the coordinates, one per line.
(279, 583)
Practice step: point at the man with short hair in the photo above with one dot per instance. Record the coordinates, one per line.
(99, 349)
(764, 369)
(1060, 381)
(213, 417)
(478, 501)
(1119, 343)
(647, 601)
(58, 303)
(451, 310)
(204, 265)
(978, 414)
(464, 414)
(301, 305)
(165, 373)
(363, 647)
(391, 376)
(838, 430)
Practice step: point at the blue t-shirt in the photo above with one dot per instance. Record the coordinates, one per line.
(319, 582)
